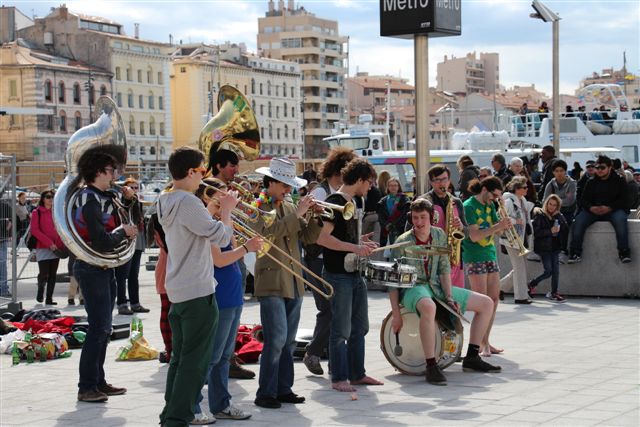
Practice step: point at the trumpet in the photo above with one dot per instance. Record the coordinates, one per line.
(248, 213)
(328, 209)
(245, 232)
(511, 234)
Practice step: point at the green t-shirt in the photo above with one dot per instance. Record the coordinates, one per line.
(484, 216)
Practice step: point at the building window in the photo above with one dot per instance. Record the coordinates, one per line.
(132, 150)
(292, 91)
(160, 103)
(92, 95)
(261, 110)
(143, 151)
(278, 91)
(160, 80)
(47, 90)
(150, 76)
(268, 87)
(119, 99)
(152, 151)
(61, 94)
(284, 110)
(277, 111)
(286, 131)
(49, 122)
(284, 89)
(140, 101)
(76, 93)
(270, 132)
(152, 127)
(103, 90)
(293, 134)
(151, 102)
(130, 99)
(78, 121)
(262, 131)
(141, 129)
(162, 151)
(139, 76)
(183, 69)
(293, 112)
(253, 105)
(63, 121)
(253, 86)
(118, 73)
(129, 73)
(269, 109)
(278, 133)
(162, 129)
(132, 126)
(13, 89)
(260, 88)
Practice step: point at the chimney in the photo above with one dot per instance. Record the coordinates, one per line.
(271, 8)
(291, 6)
(281, 6)
(136, 31)
(64, 12)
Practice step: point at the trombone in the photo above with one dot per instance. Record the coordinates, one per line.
(244, 232)
(255, 213)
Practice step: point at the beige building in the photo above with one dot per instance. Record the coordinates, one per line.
(469, 74)
(46, 101)
(295, 35)
(140, 71)
(628, 81)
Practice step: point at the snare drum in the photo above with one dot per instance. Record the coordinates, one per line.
(390, 274)
(411, 361)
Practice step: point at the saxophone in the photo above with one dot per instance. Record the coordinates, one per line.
(454, 235)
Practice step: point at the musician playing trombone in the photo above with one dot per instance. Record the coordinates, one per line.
(279, 292)
(434, 281)
(350, 318)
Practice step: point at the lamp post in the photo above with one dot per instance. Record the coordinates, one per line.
(543, 13)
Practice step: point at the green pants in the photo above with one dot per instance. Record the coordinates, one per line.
(193, 325)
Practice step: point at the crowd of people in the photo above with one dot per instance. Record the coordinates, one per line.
(201, 277)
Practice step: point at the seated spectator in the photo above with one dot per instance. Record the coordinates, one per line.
(498, 163)
(582, 113)
(602, 200)
(576, 172)
(568, 112)
(632, 195)
(588, 173)
(565, 187)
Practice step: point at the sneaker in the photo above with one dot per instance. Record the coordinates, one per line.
(435, 375)
(92, 396)
(137, 308)
(238, 372)
(124, 310)
(531, 289)
(202, 419)
(501, 296)
(232, 413)
(313, 364)
(110, 390)
(563, 258)
(574, 259)
(555, 297)
(163, 357)
(291, 398)
(476, 364)
(71, 301)
(267, 402)
(625, 259)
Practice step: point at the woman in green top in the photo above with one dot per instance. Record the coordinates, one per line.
(434, 281)
(479, 249)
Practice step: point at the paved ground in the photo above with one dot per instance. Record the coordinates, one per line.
(572, 364)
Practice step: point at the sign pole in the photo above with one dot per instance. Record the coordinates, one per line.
(421, 72)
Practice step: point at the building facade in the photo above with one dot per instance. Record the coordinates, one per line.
(469, 74)
(48, 98)
(293, 34)
(629, 82)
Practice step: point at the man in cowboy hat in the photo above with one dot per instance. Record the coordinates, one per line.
(280, 292)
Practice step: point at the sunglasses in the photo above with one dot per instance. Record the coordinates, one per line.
(590, 166)
(49, 196)
(201, 170)
(601, 167)
(135, 188)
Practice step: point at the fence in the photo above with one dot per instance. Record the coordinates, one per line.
(8, 230)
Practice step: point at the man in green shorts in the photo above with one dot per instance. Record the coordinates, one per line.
(434, 281)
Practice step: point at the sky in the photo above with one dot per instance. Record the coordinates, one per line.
(593, 33)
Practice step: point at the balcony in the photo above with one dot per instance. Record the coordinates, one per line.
(317, 132)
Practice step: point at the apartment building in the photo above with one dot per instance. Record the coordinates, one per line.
(47, 99)
(140, 69)
(296, 35)
(469, 74)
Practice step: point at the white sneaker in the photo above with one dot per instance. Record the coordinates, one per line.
(232, 413)
(203, 419)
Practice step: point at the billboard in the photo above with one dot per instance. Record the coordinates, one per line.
(405, 18)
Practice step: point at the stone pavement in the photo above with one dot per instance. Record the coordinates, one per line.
(564, 364)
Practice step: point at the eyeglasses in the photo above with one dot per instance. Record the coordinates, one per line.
(601, 167)
(109, 169)
(134, 188)
(523, 187)
(440, 179)
(201, 170)
(49, 196)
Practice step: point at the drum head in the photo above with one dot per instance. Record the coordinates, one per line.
(411, 361)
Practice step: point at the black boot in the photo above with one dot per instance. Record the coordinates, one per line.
(51, 285)
(40, 295)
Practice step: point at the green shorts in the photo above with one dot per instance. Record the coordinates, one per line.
(411, 296)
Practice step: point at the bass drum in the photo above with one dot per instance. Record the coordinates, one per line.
(411, 361)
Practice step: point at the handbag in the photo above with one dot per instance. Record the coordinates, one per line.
(31, 239)
(62, 253)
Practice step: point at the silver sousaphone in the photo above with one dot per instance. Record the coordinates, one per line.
(108, 131)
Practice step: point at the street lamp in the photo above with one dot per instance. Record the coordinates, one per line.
(543, 13)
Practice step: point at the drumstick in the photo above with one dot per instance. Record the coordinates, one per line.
(393, 246)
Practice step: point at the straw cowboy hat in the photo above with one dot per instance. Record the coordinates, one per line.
(283, 170)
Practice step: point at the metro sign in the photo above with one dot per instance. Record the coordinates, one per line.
(405, 18)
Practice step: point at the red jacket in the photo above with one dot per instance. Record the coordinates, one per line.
(43, 229)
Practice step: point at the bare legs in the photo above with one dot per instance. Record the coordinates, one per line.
(489, 285)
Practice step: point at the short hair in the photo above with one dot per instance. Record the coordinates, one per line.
(549, 149)
(266, 180)
(336, 161)
(94, 161)
(22, 193)
(559, 164)
(393, 178)
(222, 158)
(183, 159)
(437, 170)
(357, 169)
(617, 164)
(421, 205)
(44, 193)
(516, 182)
(604, 160)
(498, 158)
(516, 160)
(130, 180)
(491, 183)
(209, 182)
(464, 161)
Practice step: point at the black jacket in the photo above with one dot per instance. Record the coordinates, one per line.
(543, 239)
(608, 192)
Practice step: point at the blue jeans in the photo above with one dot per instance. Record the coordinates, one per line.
(4, 286)
(99, 291)
(279, 317)
(551, 264)
(224, 345)
(127, 279)
(349, 325)
(584, 219)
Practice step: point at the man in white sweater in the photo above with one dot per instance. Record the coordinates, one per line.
(190, 231)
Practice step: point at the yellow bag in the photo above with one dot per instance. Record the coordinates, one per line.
(137, 348)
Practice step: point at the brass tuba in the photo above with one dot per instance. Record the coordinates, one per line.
(108, 131)
(234, 128)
